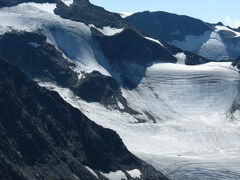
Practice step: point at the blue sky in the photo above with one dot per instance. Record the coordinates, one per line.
(226, 11)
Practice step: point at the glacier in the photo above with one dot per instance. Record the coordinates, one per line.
(184, 127)
(193, 135)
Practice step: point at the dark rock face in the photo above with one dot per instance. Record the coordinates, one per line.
(132, 47)
(43, 137)
(166, 26)
(236, 62)
(130, 54)
(46, 63)
(41, 61)
(84, 11)
(96, 87)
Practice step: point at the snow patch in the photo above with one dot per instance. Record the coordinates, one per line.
(154, 40)
(107, 30)
(4, 29)
(120, 105)
(118, 175)
(47, 7)
(135, 173)
(67, 2)
(181, 58)
(192, 43)
(125, 14)
(91, 171)
(224, 28)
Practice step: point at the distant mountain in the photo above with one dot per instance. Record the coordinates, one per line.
(43, 137)
(212, 41)
(166, 26)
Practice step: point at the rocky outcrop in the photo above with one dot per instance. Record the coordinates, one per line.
(84, 11)
(42, 61)
(43, 137)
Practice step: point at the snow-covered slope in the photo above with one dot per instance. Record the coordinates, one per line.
(72, 38)
(184, 118)
(179, 114)
(215, 42)
(67, 2)
(221, 44)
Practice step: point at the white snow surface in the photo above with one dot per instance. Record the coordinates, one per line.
(91, 171)
(107, 30)
(120, 105)
(125, 14)
(222, 43)
(118, 175)
(224, 28)
(48, 7)
(135, 173)
(73, 39)
(193, 134)
(181, 58)
(67, 2)
(154, 40)
(190, 105)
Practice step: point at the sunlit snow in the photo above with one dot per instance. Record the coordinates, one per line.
(91, 171)
(107, 30)
(118, 175)
(181, 58)
(43, 6)
(125, 14)
(219, 44)
(135, 173)
(154, 40)
(224, 28)
(191, 106)
(67, 2)
(194, 137)
(72, 38)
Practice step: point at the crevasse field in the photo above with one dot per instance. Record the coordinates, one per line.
(189, 131)
(194, 136)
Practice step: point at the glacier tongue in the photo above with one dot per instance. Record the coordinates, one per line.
(193, 133)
